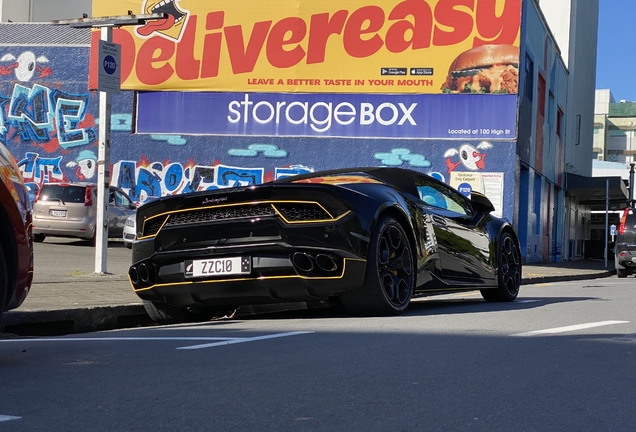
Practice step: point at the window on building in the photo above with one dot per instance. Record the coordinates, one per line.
(612, 155)
(560, 124)
(551, 109)
(529, 87)
(537, 205)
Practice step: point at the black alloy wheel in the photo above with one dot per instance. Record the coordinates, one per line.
(390, 275)
(508, 272)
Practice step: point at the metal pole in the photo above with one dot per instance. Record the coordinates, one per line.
(103, 173)
(606, 216)
(631, 185)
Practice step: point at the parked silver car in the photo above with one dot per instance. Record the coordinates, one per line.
(130, 232)
(70, 210)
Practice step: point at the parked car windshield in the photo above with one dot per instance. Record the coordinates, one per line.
(67, 193)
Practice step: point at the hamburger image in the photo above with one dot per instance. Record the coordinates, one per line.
(484, 69)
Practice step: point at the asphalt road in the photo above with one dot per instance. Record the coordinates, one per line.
(561, 358)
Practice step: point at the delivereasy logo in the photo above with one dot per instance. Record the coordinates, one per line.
(170, 27)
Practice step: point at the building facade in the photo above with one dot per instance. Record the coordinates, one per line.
(614, 129)
(575, 25)
(43, 10)
(516, 148)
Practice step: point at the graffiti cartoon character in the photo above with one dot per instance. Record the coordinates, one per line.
(85, 163)
(24, 66)
(468, 156)
(170, 27)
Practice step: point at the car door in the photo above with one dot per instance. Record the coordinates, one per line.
(119, 208)
(463, 247)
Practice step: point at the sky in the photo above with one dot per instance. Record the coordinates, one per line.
(616, 51)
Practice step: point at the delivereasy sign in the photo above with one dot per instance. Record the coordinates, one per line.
(327, 46)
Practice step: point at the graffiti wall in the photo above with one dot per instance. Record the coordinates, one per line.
(49, 121)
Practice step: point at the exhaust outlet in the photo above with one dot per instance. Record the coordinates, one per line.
(303, 262)
(144, 274)
(326, 263)
(134, 275)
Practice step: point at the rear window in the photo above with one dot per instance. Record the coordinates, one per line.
(66, 193)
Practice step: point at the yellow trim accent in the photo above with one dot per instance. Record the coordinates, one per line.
(344, 266)
(155, 234)
(271, 203)
(311, 221)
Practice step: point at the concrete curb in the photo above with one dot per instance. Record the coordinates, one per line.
(68, 321)
(567, 278)
(81, 320)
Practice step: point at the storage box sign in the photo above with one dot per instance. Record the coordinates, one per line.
(329, 46)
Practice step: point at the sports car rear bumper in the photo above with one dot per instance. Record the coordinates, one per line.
(277, 274)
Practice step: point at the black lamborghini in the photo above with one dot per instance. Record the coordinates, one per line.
(369, 238)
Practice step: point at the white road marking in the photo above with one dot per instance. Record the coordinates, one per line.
(242, 340)
(4, 418)
(570, 328)
(219, 340)
(527, 301)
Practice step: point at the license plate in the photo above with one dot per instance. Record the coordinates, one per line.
(218, 267)
(58, 213)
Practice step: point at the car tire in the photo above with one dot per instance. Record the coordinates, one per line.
(38, 238)
(622, 273)
(4, 282)
(163, 313)
(390, 275)
(128, 245)
(508, 272)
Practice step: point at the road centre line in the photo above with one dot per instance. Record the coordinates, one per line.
(4, 418)
(242, 340)
(569, 328)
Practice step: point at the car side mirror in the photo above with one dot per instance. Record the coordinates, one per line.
(481, 203)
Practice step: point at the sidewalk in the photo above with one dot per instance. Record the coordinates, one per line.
(87, 302)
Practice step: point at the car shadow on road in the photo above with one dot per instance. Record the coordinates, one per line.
(430, 306)
(422, 307)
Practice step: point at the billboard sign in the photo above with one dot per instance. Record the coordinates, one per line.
(330, 46)
(464, 116)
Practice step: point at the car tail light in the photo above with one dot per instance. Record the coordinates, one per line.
(621, 226)
(88, 198)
